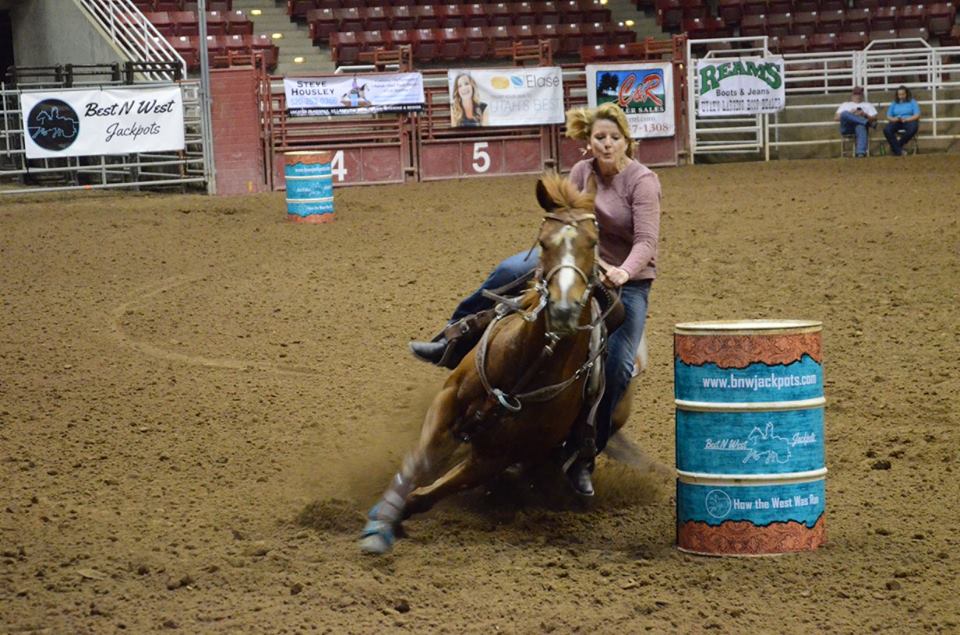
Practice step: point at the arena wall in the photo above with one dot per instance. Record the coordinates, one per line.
(51, 32)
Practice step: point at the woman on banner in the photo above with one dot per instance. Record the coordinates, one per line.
(466, 110)
(628, 211)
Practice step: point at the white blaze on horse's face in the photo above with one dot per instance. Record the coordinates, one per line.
(567, 277)
(567, 261)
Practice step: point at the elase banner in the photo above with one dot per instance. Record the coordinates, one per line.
(356, 95)
(505, 97)
(742, 86)
(643, 91)
(76, 123)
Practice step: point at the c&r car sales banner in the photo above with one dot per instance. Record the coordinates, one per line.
(643, 91)
(742, 86)
(76, 123)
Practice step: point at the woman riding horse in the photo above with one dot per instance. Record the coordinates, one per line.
(535, 373)
(628, 210)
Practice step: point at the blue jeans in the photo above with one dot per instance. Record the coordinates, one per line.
(852, 124)
(513, 268)
(908, 130)
(621, 347)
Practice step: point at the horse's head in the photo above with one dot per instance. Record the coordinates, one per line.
(568, 240)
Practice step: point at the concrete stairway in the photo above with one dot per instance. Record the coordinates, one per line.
(294, 42)
(644, 25)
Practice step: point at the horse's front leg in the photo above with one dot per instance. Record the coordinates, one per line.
(433, 451)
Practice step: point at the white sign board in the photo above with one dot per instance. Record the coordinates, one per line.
(76, 123)
(741, 86)
(643, 91)
(505, 97)
(354, 95)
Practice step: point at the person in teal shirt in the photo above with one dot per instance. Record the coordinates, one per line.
(903, 121)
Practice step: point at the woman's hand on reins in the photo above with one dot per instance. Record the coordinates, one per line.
(615, 277)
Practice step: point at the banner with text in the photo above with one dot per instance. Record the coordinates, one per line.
(76, 123)
(643, 91)
(357, 95)
(743, 86)
(506, 97)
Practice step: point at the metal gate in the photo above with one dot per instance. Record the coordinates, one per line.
(18, 174)
(729, 134)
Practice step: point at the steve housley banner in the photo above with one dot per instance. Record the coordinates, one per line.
(742, 86)
(76, 123)
(643, 91)
(354, 95)
(505, 97)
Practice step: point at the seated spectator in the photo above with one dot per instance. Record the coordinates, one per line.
(855, 117)
(903, 121)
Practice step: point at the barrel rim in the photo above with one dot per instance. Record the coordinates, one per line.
(749, 480)
(746, 327)
(748, 406)
(305, 153)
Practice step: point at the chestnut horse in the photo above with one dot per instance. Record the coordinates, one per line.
(518, 395)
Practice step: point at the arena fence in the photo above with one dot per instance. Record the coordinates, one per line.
(18, 174)
(424, 146)
(816, 83)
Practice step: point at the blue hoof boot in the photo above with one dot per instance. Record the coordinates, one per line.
(377, 537)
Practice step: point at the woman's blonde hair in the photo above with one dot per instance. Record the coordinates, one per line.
(580, 122)
(457, 105)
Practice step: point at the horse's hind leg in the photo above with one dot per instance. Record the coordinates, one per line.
(433, 451)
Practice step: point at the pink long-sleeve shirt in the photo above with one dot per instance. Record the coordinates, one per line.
(628, 210)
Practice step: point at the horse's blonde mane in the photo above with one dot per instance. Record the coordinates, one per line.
(565, 194)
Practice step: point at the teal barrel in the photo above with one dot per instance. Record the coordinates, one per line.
(309, 186)
(749, 436)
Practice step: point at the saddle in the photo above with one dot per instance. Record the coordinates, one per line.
(463, 334)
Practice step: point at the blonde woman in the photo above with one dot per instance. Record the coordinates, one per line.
(628, 212)
(467, 111)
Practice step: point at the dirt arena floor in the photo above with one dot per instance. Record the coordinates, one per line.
(199, 401)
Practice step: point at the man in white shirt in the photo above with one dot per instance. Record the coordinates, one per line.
(855, 117)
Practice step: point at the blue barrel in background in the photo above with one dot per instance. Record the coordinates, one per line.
(309, 186)
(749, 431)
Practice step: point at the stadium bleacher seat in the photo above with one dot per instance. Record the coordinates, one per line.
(866, 4)
(345, 47)
(940, 18)
(804, 23)
(753, 24)
(881, 34)
(730, 11)
(822, 42)
(912, 16)
(857, 19)
(263, 44)
(793, 44)
(851, 40)
(425, 45)
(830, 21)
(911, 33)
(779, 6)
(669, 14)
(799, 6)
(754, 7)
(452, 43)
(779, 24)
(883, 19)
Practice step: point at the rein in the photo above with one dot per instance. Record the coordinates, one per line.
(513, 400)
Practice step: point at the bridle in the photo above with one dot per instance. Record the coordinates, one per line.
(513, 401)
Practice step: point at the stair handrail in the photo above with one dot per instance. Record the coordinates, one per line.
(136, 37)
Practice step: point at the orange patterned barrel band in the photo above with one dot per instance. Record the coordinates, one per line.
(742, 538)
(292, 158)
(739, 351)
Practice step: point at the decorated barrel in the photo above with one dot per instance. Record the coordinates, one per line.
(749, 437)
(309, 186)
